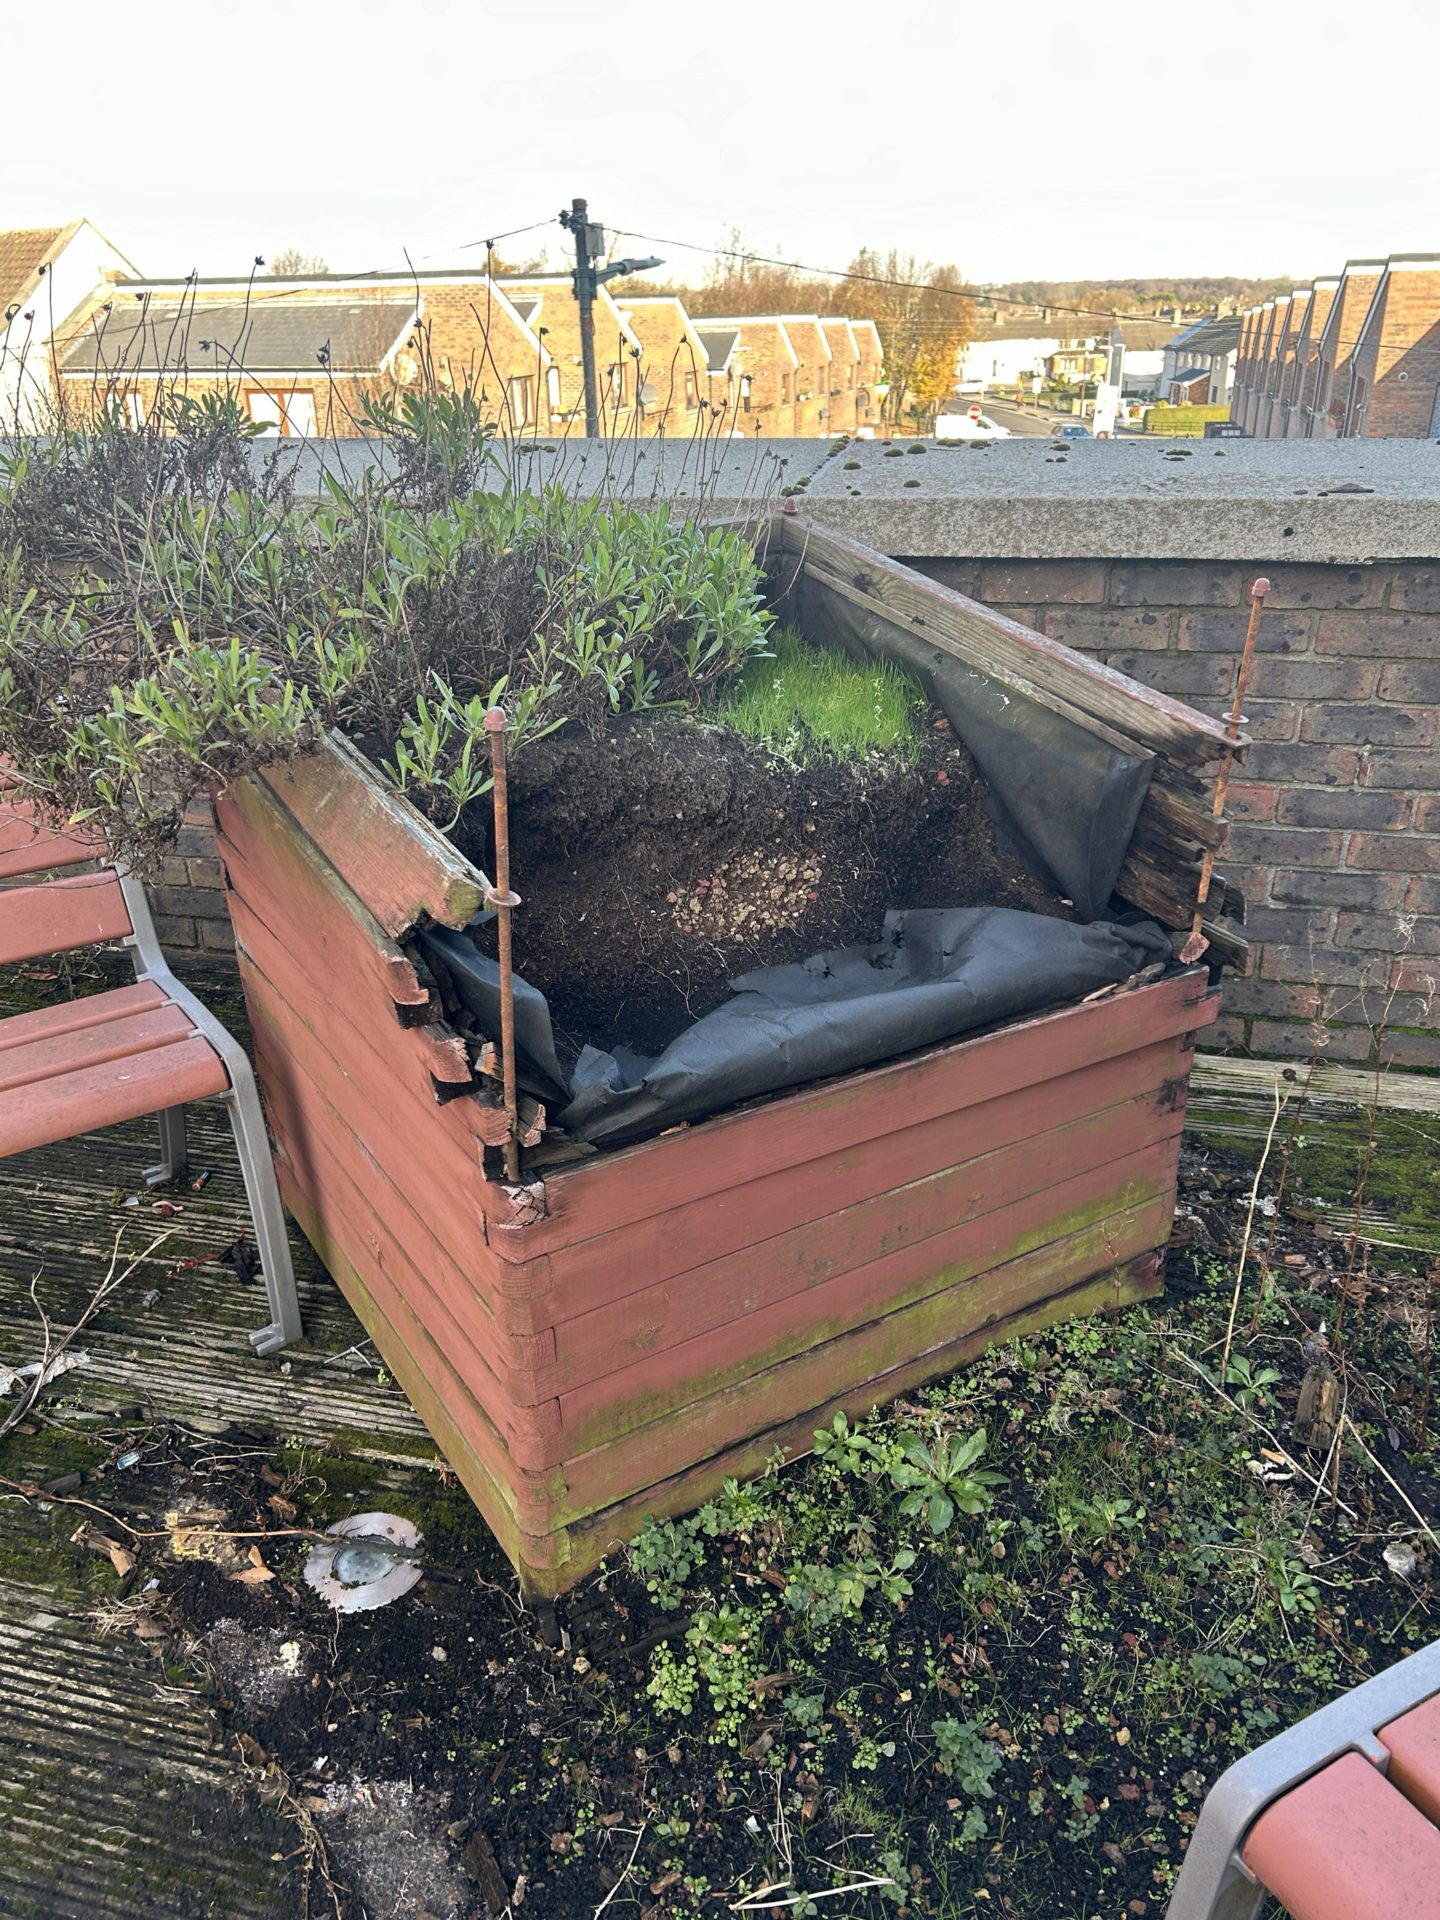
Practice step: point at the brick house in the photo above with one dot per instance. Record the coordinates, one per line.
(48, 275)
(1333, 379)
(1198, 369)
(546, 303)
(305, 356)
(841, 414)
(761, 361)
(870, 393)
(1396, 360)
(675, 365)
(1306, 364)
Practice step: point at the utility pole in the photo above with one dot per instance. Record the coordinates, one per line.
(587, 277)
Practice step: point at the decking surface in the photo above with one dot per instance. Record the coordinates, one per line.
(116, 1798)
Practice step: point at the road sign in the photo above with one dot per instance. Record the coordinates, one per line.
(974, 413)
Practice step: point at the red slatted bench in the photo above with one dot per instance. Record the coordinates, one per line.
(147, 1048)
(1338, 1819)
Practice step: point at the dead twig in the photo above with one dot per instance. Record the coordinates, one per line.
(1249, 1226)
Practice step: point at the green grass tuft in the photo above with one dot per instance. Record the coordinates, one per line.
(805, 702)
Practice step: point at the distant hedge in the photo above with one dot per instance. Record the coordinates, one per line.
(1182, 420)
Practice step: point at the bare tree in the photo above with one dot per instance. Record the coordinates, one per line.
(291, 264)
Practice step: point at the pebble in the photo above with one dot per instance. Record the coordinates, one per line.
(439, 1653)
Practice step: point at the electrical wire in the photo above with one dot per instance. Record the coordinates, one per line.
(974, 295)
(466, 246)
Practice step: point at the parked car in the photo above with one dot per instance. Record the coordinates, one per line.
(960, 426)
(1073, 430)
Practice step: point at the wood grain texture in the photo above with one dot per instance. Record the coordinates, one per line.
(380, 845)
(56, 916)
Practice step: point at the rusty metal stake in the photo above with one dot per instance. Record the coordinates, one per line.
(504, 902)
(1196, 943)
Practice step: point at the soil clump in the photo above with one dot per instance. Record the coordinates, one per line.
(661, 859)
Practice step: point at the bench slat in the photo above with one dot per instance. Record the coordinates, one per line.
(68, 1016)
(1346, 1845)
(1414, 1745)
(58, 1054)
(59, 915)
(103, 1096)
(28, 847)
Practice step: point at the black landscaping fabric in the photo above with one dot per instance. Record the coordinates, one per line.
(1069, 798)
(934, 973)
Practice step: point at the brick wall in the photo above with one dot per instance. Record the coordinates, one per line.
(1336, 809)
(188, 900)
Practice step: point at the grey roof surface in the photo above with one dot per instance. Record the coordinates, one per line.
(1146, 335)
(271, 335)
(1216, 336)
(718, 344)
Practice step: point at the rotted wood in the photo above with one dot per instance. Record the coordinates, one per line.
(996, 645)
(384, 848)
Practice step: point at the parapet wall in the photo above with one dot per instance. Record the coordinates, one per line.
(1141, 552)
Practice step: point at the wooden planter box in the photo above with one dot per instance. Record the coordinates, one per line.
(616, 1337)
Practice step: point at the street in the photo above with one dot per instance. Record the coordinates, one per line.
(1022, 420)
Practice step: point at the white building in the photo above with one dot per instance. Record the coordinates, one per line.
(1199, 364)
(1008, 352)
(49, 278)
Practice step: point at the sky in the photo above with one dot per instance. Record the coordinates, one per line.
(1041, 140)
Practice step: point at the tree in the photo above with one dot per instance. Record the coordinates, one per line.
(924, 317)
(291, 264)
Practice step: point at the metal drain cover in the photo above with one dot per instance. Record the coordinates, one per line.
(373, 1561)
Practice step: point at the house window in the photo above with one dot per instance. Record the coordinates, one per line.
(745, 392)
(290, 413)
(552, 388)
(784, 389)
(519, 391)
(692, 396)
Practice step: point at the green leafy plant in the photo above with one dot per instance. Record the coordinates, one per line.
(940, 1478)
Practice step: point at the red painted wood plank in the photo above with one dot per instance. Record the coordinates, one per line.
(68, 1015)
(59, 915)
(589, 1540)
(731, 1151)
(359, 1196)
(854, 1364)
(96, 1097)
(455, 1423)
(383, 847)
(510, 1454)
(1413, 1742)
(417, 1147)
(272, 863)
(27, 845)
(1344, 1845)
(57, 1054)
(719, 1314)
(660, 1246)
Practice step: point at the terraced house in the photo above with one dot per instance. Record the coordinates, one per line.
(1352, 357)
(301, 356)
(47, 276)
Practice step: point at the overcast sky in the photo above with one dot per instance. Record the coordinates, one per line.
(1053, 139)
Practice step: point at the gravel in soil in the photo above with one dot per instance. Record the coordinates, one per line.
(1012, 1702)
(661, 859)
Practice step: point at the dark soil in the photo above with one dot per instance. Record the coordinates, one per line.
(1148, 1597)
(661, 860)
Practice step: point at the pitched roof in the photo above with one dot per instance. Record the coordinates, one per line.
(719, 344)
(22, 252)
(270, 334)
(1211, 336)
(1144, 336)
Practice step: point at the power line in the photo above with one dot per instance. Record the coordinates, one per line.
(494, 240)
(975, 296)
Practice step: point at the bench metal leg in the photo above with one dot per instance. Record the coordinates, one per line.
(174, 1159)
(271, 1240)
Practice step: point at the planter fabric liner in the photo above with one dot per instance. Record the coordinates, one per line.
(935, 972)
(1068, 797)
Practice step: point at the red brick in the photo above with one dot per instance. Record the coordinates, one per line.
(1089, 628)
(1321, 966)
(1278, 1000)
(1416, 975)
(1366, 724)
(1300, 762)
(175, 930)
(1379, 933)
(1340, 807)
(1227, 1032)
(1312, 887)
(1427, 814)
(1225, 633)
(1244, 801)
(217, 936)
(1394, 852)
(1300, 1041)
(1410, 680)
(1402, 636)
(1174, 584)
(1325, 587)
(1422, 894)
(1284, 846)
(1270, 719)
(1277, 678)
(1416, 589)
(1043, 582)
(1410, 1049)
(1398, 767)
